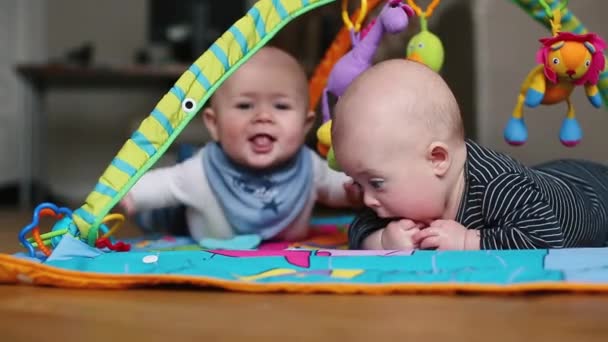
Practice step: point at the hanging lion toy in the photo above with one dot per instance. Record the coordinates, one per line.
(566, 60)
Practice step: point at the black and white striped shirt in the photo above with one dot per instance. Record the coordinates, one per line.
(558, 204)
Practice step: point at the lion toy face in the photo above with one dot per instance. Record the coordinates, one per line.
(572, 57)
(569, 60)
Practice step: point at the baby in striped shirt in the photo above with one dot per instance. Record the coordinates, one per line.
(398, 133)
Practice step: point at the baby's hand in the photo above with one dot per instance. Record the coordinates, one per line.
(447, 235)
(398, 235)
(126, 206)
(353, 194)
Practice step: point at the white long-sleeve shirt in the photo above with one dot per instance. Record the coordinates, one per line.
(186, 183)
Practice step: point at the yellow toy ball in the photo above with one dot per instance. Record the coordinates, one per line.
(324, 138)
(324, 133)
(324, 145)
(426, 48)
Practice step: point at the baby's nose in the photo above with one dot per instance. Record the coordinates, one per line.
(370, 201)
(263, 115)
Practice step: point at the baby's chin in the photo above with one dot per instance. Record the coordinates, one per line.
(261, 164)
(424, 222)
(263, 161)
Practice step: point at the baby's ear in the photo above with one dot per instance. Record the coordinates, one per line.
(309, 120)
(210, 120)
(439, 157)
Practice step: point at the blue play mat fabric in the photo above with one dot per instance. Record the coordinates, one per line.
(319, 264)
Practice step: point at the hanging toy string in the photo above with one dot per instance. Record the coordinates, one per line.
(362, 14)
(423, 15)
(554, 15)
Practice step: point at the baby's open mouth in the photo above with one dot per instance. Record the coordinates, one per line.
(262, 142)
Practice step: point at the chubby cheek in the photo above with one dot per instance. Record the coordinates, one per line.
(418, 205)
(232, 137)
(293, 137)
(233, 127)
(427, 211)
(402, 206)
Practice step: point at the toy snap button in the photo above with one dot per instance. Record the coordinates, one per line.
(150, 259)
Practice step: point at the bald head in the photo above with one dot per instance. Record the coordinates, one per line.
(270, 56)
(269, 59)
(399, 96)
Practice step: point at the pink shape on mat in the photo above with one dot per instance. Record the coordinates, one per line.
(321, 231)
(275, 246)
(327, 229)
(296, 258)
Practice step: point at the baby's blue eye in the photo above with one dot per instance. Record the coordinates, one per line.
(244, 105)
(376, 183)
(282, 106)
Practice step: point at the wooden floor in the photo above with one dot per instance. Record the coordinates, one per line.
(47, 314)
